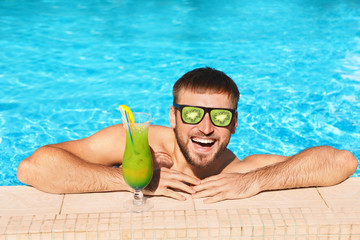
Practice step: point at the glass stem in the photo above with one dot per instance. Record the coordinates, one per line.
(138, 197)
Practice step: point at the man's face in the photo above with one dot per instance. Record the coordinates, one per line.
(201, 144)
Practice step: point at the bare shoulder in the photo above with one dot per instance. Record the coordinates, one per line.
(253, 162)
(161, 138)
(103, 147)
(159, 132)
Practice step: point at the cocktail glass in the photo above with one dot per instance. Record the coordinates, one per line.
(137, 166)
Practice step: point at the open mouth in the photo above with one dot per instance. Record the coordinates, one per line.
(203, 142)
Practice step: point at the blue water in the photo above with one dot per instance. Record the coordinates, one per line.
(65, 66)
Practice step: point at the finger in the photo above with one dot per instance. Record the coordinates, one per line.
(206, 193)
(214, 199)
(212, 193)
(167, 193)
(174, 184)
(174, 180)
(207, 185)
(175, 195)
(176, 175)
(166, 179)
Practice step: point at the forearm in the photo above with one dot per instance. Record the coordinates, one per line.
(318, 166)
(56, 170)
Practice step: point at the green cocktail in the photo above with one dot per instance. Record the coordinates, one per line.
(137, 162)
(137, 166)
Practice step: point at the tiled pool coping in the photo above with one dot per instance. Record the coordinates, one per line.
(309, 213)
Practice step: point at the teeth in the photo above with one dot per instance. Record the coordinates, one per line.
(201, 140)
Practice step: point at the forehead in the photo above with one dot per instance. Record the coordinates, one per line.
(206, 99)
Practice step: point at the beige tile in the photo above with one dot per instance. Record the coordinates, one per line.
(101, 215)
(165, 203)
(81, 236)
(292, 198)
(112, 202)
(11, 237)
(25, 200)
(106, 202)
(345, 194)
(170, 233)
(4, 221)
(37, 236)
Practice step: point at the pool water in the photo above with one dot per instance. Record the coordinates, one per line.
(66, 66)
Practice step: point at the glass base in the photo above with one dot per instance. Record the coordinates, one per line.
(138, 207)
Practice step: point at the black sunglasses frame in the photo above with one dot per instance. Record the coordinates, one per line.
(206, 110)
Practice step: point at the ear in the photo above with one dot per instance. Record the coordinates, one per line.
(234, 123)
(172, 117)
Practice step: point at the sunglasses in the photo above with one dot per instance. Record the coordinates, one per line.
(220, 117)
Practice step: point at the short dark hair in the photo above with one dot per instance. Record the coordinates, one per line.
(202, 80)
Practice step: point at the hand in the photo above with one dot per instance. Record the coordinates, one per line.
(167, 182)
(226, 186)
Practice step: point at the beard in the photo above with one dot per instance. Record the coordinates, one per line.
(198, 161)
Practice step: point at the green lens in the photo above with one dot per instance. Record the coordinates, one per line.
(221, 117)
(192, 115)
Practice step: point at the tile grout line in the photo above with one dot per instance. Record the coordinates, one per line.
(7, 225)
(306, 221)
(207, 220)
(317, 189)
(217, 214)
(62, 204)
(231, 227)
(197, 224)
(274, 224)
(262, 221)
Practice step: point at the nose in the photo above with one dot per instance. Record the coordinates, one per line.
(206, 126)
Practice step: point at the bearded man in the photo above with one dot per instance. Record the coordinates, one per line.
(190, 156)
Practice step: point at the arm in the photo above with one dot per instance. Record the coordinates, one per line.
(318, 166)
(77, 166)
(86, 165)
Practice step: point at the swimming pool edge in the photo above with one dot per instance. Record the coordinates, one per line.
(302, 213)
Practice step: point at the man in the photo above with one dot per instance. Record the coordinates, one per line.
(189, 157)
